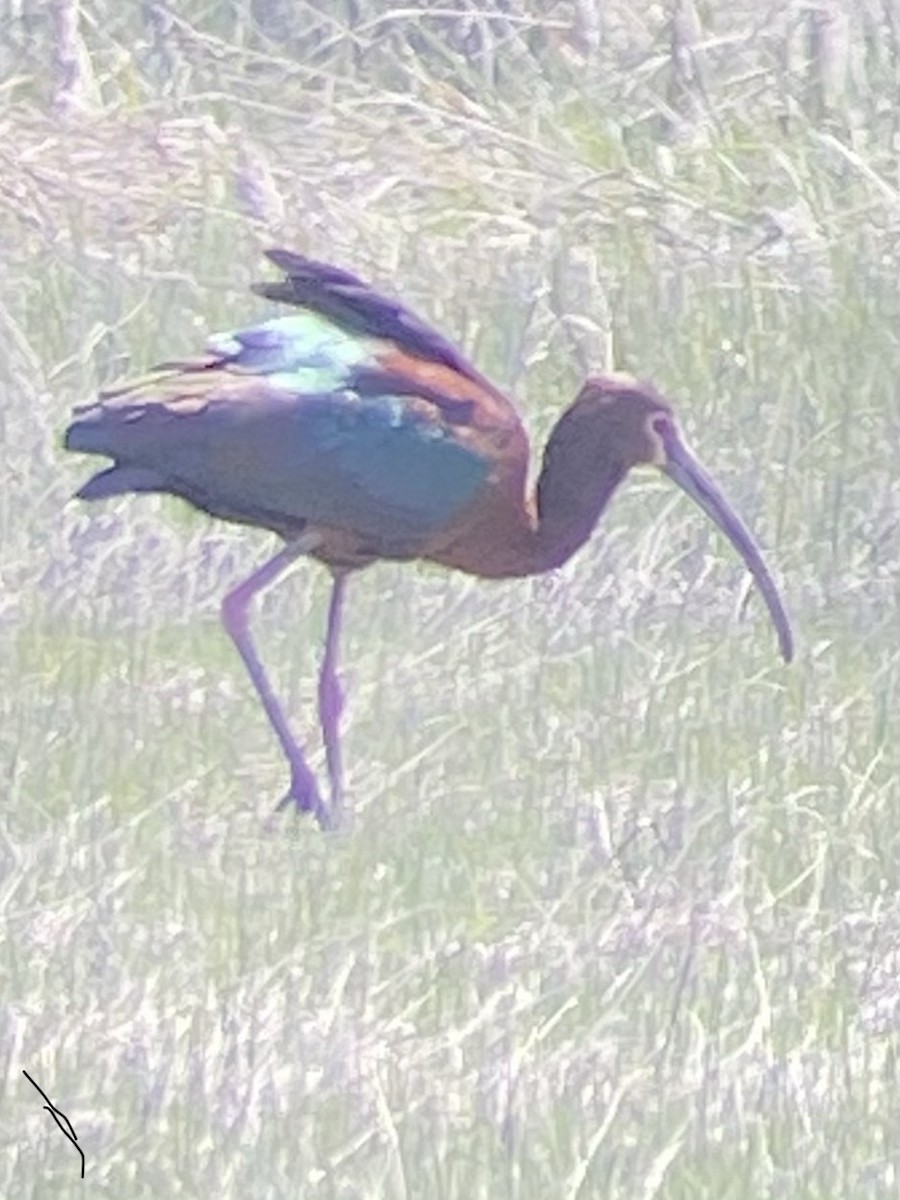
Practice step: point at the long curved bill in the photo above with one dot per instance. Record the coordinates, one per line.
(682, 467)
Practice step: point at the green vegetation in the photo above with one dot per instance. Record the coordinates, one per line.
(615, 915)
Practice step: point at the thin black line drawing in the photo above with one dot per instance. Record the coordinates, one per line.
(56, 1114)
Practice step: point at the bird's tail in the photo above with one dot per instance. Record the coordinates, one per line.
(116, 425)
(119, 481)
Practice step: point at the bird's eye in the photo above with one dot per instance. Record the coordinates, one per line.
(660, 429)
(661, 424)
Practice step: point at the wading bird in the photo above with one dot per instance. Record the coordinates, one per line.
(356, 432)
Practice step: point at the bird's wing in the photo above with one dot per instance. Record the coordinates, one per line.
(408, 355)
(355, 306)
(350, 413)
(297, 421)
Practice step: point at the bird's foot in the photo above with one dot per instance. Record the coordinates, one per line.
(304, 795)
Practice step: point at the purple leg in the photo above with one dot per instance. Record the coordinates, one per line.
(303, 790)
(331, 698)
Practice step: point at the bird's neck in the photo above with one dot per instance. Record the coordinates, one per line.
(504, 535)
(568, 506)
(510, 539)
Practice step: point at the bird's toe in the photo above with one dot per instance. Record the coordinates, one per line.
(304, 796)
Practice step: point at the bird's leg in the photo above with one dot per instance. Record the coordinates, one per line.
(303, 791)
(331, 697)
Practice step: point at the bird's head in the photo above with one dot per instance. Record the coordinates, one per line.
(626, 422)
(633, 420)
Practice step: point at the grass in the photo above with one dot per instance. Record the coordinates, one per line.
(614, 914)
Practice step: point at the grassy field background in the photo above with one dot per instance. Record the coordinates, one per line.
(615, 915)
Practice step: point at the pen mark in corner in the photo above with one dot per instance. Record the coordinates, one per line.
(60, 1118)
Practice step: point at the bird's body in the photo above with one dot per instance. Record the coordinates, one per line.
(357, 433)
